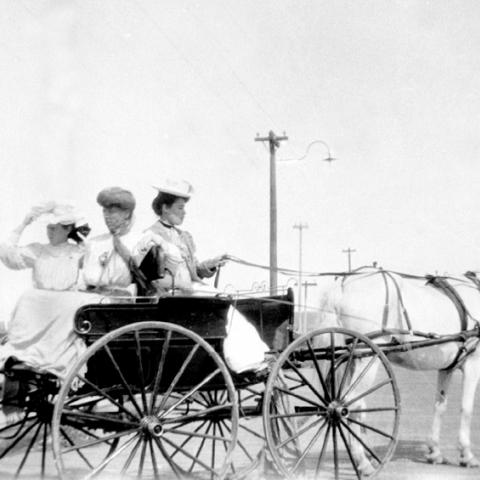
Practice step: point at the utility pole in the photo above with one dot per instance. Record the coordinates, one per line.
(349, 252)
(274, 142)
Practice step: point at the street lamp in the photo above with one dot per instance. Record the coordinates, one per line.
(328, 158)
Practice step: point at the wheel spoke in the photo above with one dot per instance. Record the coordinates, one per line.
(126, 384)
(189, 438)
(335, 450)
(176, 469)
(189, 455)
(307, 382)
(347, 447)
(322, 451)
(108, 419)
(131, 455)
(317, 369)
(154, 458)
(178, 376)
(368, 392)
(188, 394)
(359, 378)
(196, 415)
(347, 368)
(359, 439)
(300, 397)
(28, 450)
(195, 435)
(142, 458)
(19, 437)
(302, 431)
(373, 429)
(103, 394)
(44, 446)
(141, 373)
(308, 447)
(110, 458)
(161, 363)
(99, 440)
(71, 442)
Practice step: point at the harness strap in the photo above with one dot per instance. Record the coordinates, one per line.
(387, 275)
(443, 285)
(469, 346)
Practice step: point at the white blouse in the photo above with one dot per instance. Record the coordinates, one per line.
(54, 267)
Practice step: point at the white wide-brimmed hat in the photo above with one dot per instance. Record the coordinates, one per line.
(53, 213)
(179, 188)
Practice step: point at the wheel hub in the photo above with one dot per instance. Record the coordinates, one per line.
(337, 411)
(152, 425)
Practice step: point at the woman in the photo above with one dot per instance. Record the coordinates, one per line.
(186, 274)
(184, 271)
(55, 265)
(37, 333)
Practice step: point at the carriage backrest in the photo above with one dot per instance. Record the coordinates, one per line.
(272, 316)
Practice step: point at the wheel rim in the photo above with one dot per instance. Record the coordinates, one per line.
(145, 419)
(331, 407)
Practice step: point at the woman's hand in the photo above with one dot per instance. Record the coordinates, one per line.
(216, 262)
(36, 211)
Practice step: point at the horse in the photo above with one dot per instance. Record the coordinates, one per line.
(405, 308)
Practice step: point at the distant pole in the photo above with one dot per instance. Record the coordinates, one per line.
(300, 227)
(274, 142)
(300, 320)
(349, 252)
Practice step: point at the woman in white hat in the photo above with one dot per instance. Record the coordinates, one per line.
(55, 265)
(186, 274)
(38, 333)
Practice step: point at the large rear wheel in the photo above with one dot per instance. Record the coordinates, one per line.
(146, 408)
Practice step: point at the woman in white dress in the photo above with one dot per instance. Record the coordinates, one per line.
(36, 333)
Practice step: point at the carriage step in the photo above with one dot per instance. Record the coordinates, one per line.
(309, 409)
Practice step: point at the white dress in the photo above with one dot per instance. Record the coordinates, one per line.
(40, 332)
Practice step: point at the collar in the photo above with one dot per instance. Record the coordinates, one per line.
(166, 225)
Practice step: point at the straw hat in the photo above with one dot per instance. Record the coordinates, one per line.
(179, 188)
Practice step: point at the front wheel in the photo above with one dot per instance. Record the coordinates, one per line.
(331, 407)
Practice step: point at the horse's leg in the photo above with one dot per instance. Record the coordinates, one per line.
(471, 375)
(434, 454)
(364, 465)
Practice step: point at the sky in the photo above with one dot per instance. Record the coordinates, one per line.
(129, 92)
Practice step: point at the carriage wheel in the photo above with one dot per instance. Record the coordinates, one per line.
(26, 438)
(331, 407)
(140, 410)
(250, 443)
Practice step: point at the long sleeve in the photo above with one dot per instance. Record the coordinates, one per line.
(16, 257)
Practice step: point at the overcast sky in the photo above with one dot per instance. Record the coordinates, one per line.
(125, 92)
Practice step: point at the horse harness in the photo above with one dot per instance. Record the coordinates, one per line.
(468, 343)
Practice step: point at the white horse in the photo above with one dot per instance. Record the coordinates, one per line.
(402, 307)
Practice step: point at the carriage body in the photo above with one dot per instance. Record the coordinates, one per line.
(147, 360)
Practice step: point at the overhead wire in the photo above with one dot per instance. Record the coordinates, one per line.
(190, 63)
